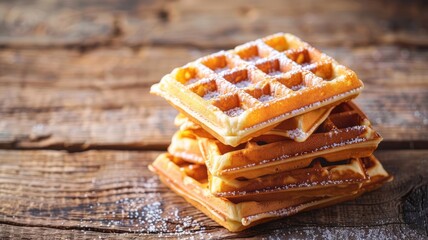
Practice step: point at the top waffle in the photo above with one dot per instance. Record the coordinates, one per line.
(239, 94)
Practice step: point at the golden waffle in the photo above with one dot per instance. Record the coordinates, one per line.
(345, 134)
(298, 128)
(241, 93)
(327, 179)
(319, 180)
(237, 217)
(184, 144)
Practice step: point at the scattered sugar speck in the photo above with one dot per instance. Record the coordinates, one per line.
(275, 73)
(296, 134)
(243, 84)
(253, 59)
(221, 70)
(192, 80)
(144, 213)
(265, 98)
(210, 95)
(234, 112)
(298, 87)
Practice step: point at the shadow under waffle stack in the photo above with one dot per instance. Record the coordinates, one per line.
(238, 94)
(267, 130)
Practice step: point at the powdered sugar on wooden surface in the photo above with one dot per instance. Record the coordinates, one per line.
(146, 213)
(342, 232)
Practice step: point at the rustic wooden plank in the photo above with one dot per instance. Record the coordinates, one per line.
(100, 192)
(123, 67)
(225, 24)
(391, 231)
(58, 23)
(209, 24)
(22, 232)
(104, 68)
(123, 128)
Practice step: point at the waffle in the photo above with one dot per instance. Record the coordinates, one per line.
(321, 179)
(327, 179)
(345, 134)
(184, 145)
(241, 93)
(237, 217)
(298, 128)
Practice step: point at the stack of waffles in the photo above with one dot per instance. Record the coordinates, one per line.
(267, 130)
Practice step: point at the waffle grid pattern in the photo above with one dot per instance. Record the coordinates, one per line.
(279, 76)
(256, 73)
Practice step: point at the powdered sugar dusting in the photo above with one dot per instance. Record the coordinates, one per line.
(285, 156)
(221, 70)
(358, 232)
(340, 144)
(243, 84)
(210, 95)
(275, 73)
(253, 59)
(144, 214)
(191, 81)
(234, 112)
(298, 87)
(296, 133)
(306, 184)
(306, 108)
(265, 98)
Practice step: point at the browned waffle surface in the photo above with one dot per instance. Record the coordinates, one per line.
(318, 180)
(244, 92)
(346, 133)
(239, 216)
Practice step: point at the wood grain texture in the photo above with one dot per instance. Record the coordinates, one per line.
(399, 115)
(75, 75)
(65, 99)
(99, 192)
(123, 67)
(210, 23)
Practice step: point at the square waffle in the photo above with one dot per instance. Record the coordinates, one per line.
(241, 93)
(346, 133)
(179, 176)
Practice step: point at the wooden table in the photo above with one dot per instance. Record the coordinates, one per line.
(78, 126)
